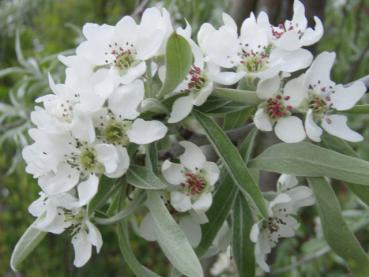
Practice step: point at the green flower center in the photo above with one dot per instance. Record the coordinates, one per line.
(255, 61)
(318, 104)
(115, 132)
(124, 60)
(88, 160)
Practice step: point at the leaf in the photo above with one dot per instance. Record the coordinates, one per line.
(232, 160)
(242, 246)
(25, 245)
(178, 61)
(307, 159)
(216, 105)
(107, 187)
(10, 70)
(171, 238)
(237, 119)
(152, 157)
(237, 95)
(144, 178)
(339, 145)
(132, 207)
(358, 109)
(335, 230)
(217, 214)
(129, 256)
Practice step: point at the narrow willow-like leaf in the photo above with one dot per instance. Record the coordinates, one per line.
(335, 230)
(237, 95)
(25, 245)
(151, 158)
(171, 238)
(242, 246)
(339, 145)
(107, 187)
(237, 119)
(232, 160)
(359, 109)
(307, 159)
(132, 207)
(220, 106)
(10, 70)
(143, 178)
(129, 256)
(217, 214)
(178, 60)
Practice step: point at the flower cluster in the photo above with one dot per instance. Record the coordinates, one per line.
(110, 104)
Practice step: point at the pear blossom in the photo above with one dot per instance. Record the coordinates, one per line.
(252, 52)
(281, 222)
(222, 264)
(295, 33)
(120, 124)
(192, 180)
(199, 82)
(121, 51)
(189, 222)
(324, 97)
(277, 110)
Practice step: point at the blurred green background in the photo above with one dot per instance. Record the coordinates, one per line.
(46, 28)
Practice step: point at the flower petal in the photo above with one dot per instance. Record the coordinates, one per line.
(212, 172)
(336, 125)
(290, 129)
(87, 189)
(192, 158)
(286, 182)
(262, 121)
(191, 229)
(294, 89)
(203, 203)
(173, 172)
(267, 88)
(145, 132)
(180, 201)
(345, 98)
(107, 154)
(82, 248)
(181, 108)
(313, 131)
(94, 236)
(122, 163)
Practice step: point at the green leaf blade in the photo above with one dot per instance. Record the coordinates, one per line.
(144, 178)
(178, 61)
(241, 96)
(171, 238)
(335, 230)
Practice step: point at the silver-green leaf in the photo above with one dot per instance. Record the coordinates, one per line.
(144, 178)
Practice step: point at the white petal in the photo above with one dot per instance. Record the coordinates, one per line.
(301, 197)
(290, 129)
(107, 154)
(295, 90)
(286, 182)
(125, 100)
(180, 201)
(203, 203)
(122, 163)
(173, 172)
(289, 40)
(229, 22)
(192, 158)
(268, 88)
(82, 127)
(294, 60)
(299, 15)
(132, 74)
(310, 35)
(262, 121)
(313, 131)
(181, 108)
(82, 248)
(279, 199)
(345, 98)
(146, 229)
(63, 180)
(337, 125)
(145, 132)
(87, 189)
(191, 229)
(320, 69)
(203, 94)
(212, 172)
(94, 236)
(255, 231)
(37, 207)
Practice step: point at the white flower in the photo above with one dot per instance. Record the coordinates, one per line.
(281, 222)
(190, 223)
(277, 109)
(294, 34)
(192, 180)
(252, 52)
(120, 124)
(199, 82)
(121, 51)
(222, 264)
(324, 97)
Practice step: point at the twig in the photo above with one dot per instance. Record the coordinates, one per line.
(140, 8)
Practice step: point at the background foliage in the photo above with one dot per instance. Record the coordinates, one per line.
(46, 28)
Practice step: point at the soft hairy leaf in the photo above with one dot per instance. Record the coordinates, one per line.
(242, 246)
(178, 60)
(129, 256)
(335, 230)
(171, 238)
(359, 109)
(232, 160)
(307, 159)
(237, 119)
(144, 178)
(237, 95)
(26, 244)
(339, 145)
